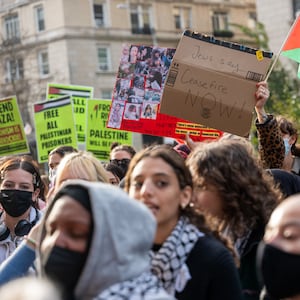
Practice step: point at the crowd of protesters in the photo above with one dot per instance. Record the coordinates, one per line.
(208, 220)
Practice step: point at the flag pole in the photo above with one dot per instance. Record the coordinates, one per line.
(280, 50)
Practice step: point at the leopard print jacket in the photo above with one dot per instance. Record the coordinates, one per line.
(270, 143)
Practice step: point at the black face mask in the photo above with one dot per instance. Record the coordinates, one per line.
(15, 202)
(279, 271)
(122, 163)
(64, 267)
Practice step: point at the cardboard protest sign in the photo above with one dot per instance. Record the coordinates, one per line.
(12, 136)
(54, 126)
(79, 95)
(137, 94)
(213, 82)
(98, 137)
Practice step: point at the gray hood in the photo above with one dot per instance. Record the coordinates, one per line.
(123, 234)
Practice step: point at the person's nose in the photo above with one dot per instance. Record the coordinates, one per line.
(61, 239)
(272, 236)
(147, 189)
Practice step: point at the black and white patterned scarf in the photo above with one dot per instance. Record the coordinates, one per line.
(168, 263)
(144, 287)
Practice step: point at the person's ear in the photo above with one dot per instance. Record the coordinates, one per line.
(185, 196)
(293, 139)
(36, 194)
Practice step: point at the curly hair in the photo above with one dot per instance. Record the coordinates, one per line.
(248, 193)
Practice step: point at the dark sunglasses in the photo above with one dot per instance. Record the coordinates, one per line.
(120, 162)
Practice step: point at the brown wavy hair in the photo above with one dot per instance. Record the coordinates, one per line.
(249, 194)
(184, 176)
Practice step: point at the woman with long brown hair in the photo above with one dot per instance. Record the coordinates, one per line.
(191, 263)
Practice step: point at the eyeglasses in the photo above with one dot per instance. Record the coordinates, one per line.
(120, 162)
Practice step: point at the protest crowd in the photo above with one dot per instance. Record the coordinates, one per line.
(211, 219)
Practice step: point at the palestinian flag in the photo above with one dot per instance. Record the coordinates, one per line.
(291, 47)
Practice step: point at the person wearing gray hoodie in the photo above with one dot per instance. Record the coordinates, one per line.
(94, 243)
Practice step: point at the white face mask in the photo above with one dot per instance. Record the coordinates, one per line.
(52, 174)
(287, 146)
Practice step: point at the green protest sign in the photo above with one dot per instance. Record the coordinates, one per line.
(79, 95)
(98, 137)
(54, 126)
(12, 135)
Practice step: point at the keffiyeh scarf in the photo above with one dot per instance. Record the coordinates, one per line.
(169, 262)
(144, 287)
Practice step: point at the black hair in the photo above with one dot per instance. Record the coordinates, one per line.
(27, 164)
(115, 169)
(62, 150)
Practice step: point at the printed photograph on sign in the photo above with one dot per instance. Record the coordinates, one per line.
(122, 89)
(140, 78)
(115, 117)
(132, 111)
(149, 111)
(136, 97)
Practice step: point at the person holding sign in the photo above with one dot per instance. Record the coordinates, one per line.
(20, 187)
(191, 263)
(277, 136)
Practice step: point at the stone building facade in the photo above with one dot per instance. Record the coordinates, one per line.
(79, 41)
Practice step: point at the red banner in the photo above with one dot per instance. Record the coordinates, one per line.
(137, 94)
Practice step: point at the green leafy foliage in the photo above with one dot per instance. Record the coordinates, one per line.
(284, 86)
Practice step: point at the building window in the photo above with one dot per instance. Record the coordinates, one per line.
(140, 19)
(252, 20)
(12, 28)
(14, 70)
(296, 7)
(99, 15)
(220, 21)
(106, 94)
(39, 18)
(182, 17)
(43, 63)
(103, 59)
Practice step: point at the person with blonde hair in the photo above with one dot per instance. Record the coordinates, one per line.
(80, 165)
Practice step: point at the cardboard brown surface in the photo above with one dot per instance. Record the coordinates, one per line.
(221, 59)
(213, 85)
